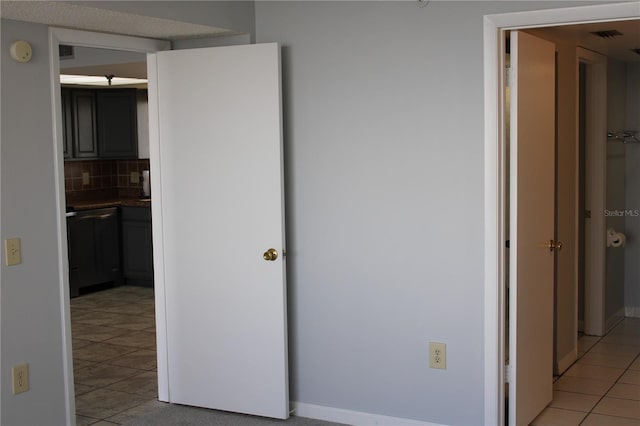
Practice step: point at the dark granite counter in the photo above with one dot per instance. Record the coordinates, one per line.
(115, 202)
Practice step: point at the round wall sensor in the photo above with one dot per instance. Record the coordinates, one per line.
(21, 51)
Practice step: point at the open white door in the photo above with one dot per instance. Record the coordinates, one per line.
(216, 166)
(532, 187)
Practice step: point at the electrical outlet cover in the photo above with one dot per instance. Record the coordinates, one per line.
(437, 355)
(20, 378)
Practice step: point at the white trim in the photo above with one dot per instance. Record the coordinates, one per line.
(157, 229)
(108, 41)
(349, 417)
(595, 191)
(494, 176)
(632, 311)
(59, 36)
(567, 361)
(615, 319)
(494, 296)
(61, 231)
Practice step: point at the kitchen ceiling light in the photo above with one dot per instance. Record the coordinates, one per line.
(99, 80)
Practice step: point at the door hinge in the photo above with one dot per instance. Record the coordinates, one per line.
(509, 76)
(507, 373)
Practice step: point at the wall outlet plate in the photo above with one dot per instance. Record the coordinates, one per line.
(437, 355)
(20, 378)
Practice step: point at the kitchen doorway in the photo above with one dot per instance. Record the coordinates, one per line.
(88, 355)
(107, 195)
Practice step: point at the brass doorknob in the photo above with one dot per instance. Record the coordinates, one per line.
(270, 255)
(555, 245)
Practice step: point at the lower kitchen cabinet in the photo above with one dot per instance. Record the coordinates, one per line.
(94, 248)
(137, 246)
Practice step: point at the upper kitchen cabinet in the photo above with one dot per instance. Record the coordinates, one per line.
(85, 140)
(100, 123)
(117, 119)
(67, 123)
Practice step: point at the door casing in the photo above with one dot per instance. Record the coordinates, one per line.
(495, 163)
(59, 36)
(595, 191)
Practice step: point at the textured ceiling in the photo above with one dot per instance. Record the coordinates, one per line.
(59, 14)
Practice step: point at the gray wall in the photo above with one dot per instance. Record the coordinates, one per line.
(384, 137)
(30, 319)
(384, 144)
(85, 56)
(632, 251)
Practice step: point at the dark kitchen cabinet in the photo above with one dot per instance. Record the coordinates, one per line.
(67, 123)
(94, 248)
(99, 123)
(137, 246)
(85, 138)
(117, 123)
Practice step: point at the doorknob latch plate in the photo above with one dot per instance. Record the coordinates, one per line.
(554, 245)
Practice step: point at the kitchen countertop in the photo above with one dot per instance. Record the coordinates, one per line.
(128, 202)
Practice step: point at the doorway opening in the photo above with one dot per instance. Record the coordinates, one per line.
(105, 181)
(107, 196)
(496, 25)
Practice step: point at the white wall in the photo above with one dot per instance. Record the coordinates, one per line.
(566, 199)
(632, 250)
(616, 107)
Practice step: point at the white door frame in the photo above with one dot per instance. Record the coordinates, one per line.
(595, 192)
(59, 36)
(495, 162)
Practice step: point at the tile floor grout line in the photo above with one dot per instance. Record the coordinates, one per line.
(106, 306)
(614, 383)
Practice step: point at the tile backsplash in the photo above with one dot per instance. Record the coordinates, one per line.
(107, 179)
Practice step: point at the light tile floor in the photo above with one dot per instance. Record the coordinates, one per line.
(603, 387)
(114, 351)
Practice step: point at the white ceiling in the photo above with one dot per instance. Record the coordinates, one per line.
(60, 14)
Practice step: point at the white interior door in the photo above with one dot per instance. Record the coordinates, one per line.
(532, 187)
(216, 166)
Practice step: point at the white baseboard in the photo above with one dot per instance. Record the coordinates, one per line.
(615, 319)
(567, 361)
(349, 417)
(632, 311)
